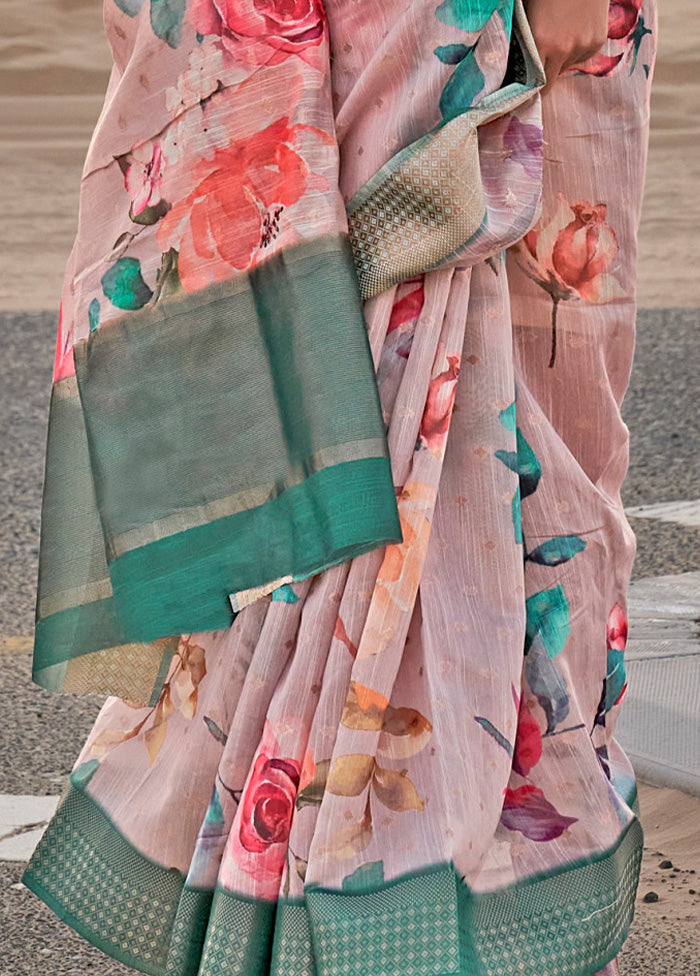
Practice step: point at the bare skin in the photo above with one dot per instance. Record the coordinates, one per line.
(567, 32)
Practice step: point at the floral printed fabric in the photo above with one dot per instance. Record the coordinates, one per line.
(450, 699)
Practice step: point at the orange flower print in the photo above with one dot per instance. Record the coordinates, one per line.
(239, 198)
(263, 31)
(570, 255)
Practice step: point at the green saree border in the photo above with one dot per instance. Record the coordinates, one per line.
(571, 921)
(352, 501)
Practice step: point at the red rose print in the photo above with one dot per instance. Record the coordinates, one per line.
(625, 32)
(263, 31)
(528, 742)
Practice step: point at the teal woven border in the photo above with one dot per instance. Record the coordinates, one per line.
(570, 922)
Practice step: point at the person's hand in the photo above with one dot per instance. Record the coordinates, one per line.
(567, 32)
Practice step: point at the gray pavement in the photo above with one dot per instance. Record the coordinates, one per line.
(41, 734)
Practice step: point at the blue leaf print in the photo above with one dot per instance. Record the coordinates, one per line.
(466, 83)
(556, 551)
(166, 20)
(468, 15)
(129, 7)
(547, 685)
(495, 734)
(547, 617)
(452, 53)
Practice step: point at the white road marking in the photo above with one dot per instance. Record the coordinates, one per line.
(23, 820)
(683, 513)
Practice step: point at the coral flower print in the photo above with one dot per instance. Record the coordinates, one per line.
(438, 408)
(263, 31)
(238, 194)
(615, 679)
(570, 256)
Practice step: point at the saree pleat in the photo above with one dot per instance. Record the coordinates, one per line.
(397, 761)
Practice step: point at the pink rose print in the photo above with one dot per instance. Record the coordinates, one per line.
(617, 629)
(263, 31)
(258, 842)
(570, 256)
(239, 197)
(626, 31)
(438, 407)
(142, 177)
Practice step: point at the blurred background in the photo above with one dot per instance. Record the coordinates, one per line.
(54, 64)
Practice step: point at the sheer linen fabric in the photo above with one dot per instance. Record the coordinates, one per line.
(405, 763)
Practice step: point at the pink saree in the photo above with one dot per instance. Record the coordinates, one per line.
(332, 504)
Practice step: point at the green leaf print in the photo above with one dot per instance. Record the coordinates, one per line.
(166, 20)
(507, 417)
(556, 551)
(124, 286)
(285, 594)
(548, 615)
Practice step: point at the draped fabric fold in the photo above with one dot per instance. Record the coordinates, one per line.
(332, 501)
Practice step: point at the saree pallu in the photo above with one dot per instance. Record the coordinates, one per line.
(332, 503)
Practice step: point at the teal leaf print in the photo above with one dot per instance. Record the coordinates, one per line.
(468, 15)
(82, 775)
(214, 816)
(166, 20)
(517, 517)
(94, 314)
(124, 286)
(285, 594)
(556, 551)
(547, 616)
(129, 7)
(615, 678)
(547, 684)
(495, 734)
(466, 83)
(365, 878)
(509, 458)
(528, 467)
(452, 53)
(218, 733)
(637, 36)
(507, 417)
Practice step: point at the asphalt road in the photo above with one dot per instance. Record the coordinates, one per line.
(40, 733)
